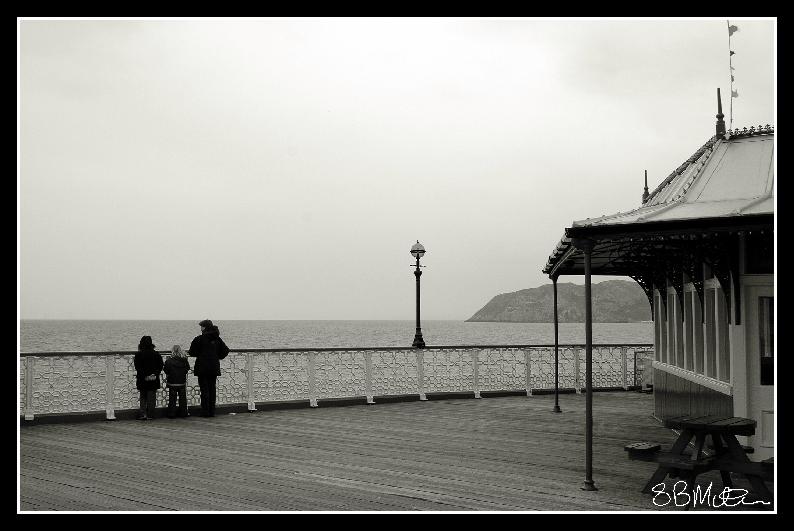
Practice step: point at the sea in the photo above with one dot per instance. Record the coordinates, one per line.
(121, 335)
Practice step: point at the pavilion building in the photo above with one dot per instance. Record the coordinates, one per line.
(701, 245)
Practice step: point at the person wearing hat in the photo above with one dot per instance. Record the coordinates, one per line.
(148, 365)
(208, 349)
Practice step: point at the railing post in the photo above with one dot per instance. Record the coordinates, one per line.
(249, 378)
(29, 368)
(624, 368)
(527, 359)
(420, 373)
(110, 381)
(577, 383)
(312, 382)
(475, 361)
(368, 379)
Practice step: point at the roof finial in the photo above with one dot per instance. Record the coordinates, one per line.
(645, 193)
(720, 116)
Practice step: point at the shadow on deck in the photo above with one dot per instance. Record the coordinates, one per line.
(495, 454)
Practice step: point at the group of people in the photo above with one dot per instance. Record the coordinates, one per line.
(208, 348)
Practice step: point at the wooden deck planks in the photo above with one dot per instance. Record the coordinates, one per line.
(498, 454)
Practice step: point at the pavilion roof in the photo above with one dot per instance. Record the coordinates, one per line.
(727, 182)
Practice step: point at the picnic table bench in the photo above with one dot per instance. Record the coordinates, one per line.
(729, 456)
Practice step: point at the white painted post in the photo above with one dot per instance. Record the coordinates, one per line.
(110, 379)
(475, 361)
(249, 377)
(577, 384)
(368, 379)
(420, 373)
(29, 368)
(529, 371)
(623, 368)
(312, 382)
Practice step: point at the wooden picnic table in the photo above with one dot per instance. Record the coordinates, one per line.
(728, 455)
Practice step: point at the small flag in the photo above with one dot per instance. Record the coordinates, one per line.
(732, 52)
(732, 80)
(732, 29)
(734, 94)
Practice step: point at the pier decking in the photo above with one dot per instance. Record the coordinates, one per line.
(495, 454)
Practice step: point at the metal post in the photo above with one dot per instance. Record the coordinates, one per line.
(475, 361)
(556, 351)
(589, 484)
(368, 378)
(624, 368)
(420, 374)
(29, 368)
(249, 376)
(312, 382)
(110, 379)
(419, 342)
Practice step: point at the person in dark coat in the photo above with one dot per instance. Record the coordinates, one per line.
(176, 368)
(148, 365)
(208, 349)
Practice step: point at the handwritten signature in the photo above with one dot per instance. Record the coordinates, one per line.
(728, 497)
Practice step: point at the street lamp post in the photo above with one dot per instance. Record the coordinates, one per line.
(418, 250)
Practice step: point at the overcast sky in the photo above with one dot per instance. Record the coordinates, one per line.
(282, 169)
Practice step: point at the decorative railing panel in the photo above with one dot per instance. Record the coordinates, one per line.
(57, 383)
(448, 371)
(232, 383)
(285, 376)
(340, 374)
(394, 372)
(501, 369)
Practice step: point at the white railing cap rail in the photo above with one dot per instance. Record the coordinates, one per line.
(344, 349)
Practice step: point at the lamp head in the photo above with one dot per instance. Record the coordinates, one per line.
(417, 250)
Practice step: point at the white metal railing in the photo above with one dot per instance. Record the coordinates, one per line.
(79, 382)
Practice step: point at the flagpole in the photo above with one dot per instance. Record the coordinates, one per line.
(730, 66)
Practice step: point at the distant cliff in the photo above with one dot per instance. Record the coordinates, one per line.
(614, 301)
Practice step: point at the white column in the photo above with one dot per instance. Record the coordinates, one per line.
(368, 377)
(577, 383)
(475, 361)
(420, 373)
(30, 363)
(312, 381)
(110, 379)
(529, 372)
(249, 377)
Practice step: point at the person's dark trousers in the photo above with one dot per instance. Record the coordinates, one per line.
(174, 392)
(148, 403)
(207, 385)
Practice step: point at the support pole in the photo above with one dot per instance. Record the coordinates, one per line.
(556, 351)
(587, 247)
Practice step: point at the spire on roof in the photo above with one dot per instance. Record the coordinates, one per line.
(720, 116)
(645, 193)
